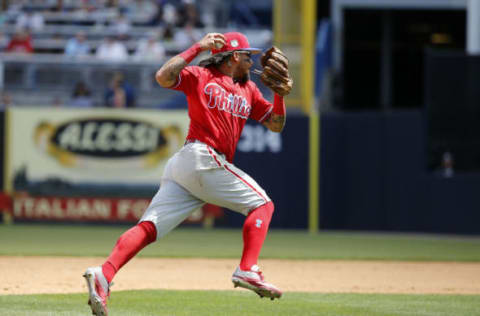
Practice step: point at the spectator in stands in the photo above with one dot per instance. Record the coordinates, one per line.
(121, 26)
(3, 18)
(242, 15)
(215, 13)
(4, 40)
(149, 49)
(87, 6)
(21, 43)
(169, 15)
(188, 14)
(81, 96)
(120, 94)
(141, 10)
(157, 19)
(112, 50)
(30, 20)
(446, 168)
(168, 33)
(14, 8)
(6, 100)
(77, 46)
(186, 36)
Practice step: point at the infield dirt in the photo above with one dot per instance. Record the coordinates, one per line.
(29, 275)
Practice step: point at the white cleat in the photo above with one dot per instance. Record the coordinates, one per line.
(253, 280)
(98, 290)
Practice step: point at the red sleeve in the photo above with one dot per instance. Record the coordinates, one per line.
(261, 108)
(29, 47)
(187, 78)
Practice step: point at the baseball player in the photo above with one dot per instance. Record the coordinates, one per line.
(220, 100)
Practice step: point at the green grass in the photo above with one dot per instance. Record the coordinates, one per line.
(78, 240)
(143, 303)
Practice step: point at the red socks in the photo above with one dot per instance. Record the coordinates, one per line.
(128, 245)
(136, 238)
(255, 230)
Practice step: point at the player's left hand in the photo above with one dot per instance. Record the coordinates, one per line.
(275, 73)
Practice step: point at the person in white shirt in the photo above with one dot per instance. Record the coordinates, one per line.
(149, 49)
(121, 26)
(33, 21)
(112, 50)
(186, 36)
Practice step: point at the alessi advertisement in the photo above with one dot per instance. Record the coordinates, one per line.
(96, 146)
(87, 164)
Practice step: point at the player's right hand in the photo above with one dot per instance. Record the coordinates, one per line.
(212, 41)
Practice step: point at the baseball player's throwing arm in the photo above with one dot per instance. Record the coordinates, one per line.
(167, 75)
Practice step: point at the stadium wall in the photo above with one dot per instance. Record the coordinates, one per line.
(374, 176)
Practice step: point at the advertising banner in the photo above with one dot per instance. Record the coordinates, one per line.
(97, 146)
(106, 164)
(78, 209)
(88, 209)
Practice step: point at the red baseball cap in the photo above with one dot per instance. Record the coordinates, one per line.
(235, 41)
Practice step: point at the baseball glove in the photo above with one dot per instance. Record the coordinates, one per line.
(275, 71)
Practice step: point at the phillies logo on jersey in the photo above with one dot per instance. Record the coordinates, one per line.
(234, 104)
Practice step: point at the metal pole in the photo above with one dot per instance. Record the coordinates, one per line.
(2, 76)
(473, 27)
(336, 12)
(309, 8)
(386, 56)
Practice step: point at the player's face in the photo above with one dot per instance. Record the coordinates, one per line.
(242, 73)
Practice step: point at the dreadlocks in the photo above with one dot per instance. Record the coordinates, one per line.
(216, 60)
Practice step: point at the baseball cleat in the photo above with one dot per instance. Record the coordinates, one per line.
(98, 290)
(253, 280)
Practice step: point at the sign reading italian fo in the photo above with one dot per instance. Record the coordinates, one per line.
(84, 209)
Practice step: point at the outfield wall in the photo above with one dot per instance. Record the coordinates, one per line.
(84, 165)
(374, 176)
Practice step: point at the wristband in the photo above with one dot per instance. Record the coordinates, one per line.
(278, 105)
(191, 53)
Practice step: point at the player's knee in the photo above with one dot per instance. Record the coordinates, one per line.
(270, 206)
(267, 208)
(150, 230)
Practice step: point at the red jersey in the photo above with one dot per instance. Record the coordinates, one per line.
(218, 108)
(20, 46)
